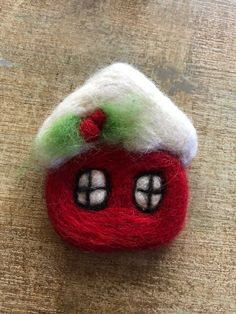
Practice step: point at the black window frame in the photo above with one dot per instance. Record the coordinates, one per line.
(89, 189)
(161, 191)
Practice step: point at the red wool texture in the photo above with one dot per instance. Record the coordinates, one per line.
(90, 127)
(120, 226)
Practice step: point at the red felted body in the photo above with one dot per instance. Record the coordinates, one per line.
(120, 226)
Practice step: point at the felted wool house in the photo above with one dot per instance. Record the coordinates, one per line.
(115, 153)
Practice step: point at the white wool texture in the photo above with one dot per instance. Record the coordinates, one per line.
(161, 124)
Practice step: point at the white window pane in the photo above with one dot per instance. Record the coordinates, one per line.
(141, 199)
(98, 179)
(97, 197)
(155, 199)
(84, 180)
(156, 182)
(82, 198)
(143, 183)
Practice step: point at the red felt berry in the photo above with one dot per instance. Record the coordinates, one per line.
(90, 127)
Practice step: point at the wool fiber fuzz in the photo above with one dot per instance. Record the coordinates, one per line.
(120, 225)
(115, 153)
(139, 116)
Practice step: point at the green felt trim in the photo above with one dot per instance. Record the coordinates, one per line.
(62, 138)
(121, 119)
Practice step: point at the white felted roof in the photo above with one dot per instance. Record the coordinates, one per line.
(162, 125)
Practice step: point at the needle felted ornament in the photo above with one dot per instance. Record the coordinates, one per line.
(115, 153)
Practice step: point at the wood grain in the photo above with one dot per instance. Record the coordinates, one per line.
(48, 48)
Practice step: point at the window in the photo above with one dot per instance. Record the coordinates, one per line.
(92, 189)
(148, 192)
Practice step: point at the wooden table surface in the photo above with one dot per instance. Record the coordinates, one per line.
(188, 47)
